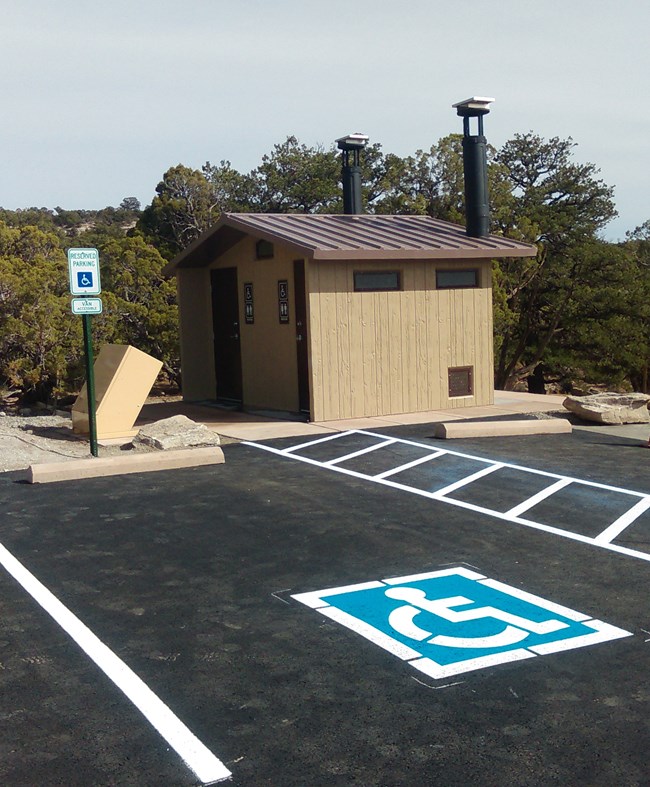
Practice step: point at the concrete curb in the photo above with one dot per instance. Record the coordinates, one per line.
(48, 472)
(457, 429)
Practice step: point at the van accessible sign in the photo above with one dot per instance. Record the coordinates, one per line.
(86, 305)
(83, 267)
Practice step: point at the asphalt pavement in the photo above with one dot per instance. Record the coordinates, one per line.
(196, 580)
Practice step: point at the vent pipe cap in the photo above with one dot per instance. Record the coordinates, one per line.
(473, 107)
(354, 141)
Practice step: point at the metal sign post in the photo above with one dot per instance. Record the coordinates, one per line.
(83, 268)
(90, 383)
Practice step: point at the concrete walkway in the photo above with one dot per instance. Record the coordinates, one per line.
(249, 426)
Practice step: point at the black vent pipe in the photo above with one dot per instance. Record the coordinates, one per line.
(351, 146)
(477, 202)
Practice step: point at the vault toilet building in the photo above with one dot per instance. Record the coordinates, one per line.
(344, 316)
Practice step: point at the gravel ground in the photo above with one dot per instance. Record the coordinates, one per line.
(33, 439)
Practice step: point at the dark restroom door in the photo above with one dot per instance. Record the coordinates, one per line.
(227, 348)
(302, 347)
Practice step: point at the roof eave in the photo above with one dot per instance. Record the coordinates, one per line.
(191, 257)
(183, 258)
(421, 254)
(231, 219)
(232, 227)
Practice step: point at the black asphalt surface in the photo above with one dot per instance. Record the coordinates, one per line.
(187, 577)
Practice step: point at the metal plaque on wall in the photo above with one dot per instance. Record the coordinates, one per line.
(460, 381)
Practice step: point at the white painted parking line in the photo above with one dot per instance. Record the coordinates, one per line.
(409, 465)
(370, 632)
(617, 527)
(512, 516)
(523, 468)
(535, 499)
(313, 598)
(604, 633)
(456, 571)
(552, 606)
(361, 452)
(439, 493)
(334, 436)
(197, 757)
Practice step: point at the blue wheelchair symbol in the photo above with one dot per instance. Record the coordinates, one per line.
(84, 279)
(456, 620)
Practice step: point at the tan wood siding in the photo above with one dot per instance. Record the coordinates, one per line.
(343, 340)
(376, 353)
(196, 342)
(370, 353)
(268, 347)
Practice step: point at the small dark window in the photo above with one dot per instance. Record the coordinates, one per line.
(457, 279)
(376, 281)
(264, 250)
(460, 381)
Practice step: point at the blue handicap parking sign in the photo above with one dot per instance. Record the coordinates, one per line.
(84, 279)
(455, 620)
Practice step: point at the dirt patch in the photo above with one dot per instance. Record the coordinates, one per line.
(33, 439)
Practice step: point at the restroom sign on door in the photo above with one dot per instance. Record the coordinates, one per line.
(249, 314)
(283, 301)
(456, 620)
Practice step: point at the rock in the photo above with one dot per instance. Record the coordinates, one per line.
(610, 408)
(179, 431)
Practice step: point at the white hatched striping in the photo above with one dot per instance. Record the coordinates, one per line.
(334, 436)
(361, 452)
(617, 527)
(535, 499)
(603, 540)
(439, 493)
(409, 465)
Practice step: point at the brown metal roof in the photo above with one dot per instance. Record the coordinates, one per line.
(350, 237)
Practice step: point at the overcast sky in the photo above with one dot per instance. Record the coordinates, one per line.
(101, 98)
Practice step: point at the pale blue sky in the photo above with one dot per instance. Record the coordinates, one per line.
(101, 98)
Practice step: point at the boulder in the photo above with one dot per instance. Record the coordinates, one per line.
(179, 431)
(610, 408)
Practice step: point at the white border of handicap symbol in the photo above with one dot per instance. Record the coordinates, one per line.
(456, 620)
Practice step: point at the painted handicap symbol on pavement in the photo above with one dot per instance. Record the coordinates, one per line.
(456, 620)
